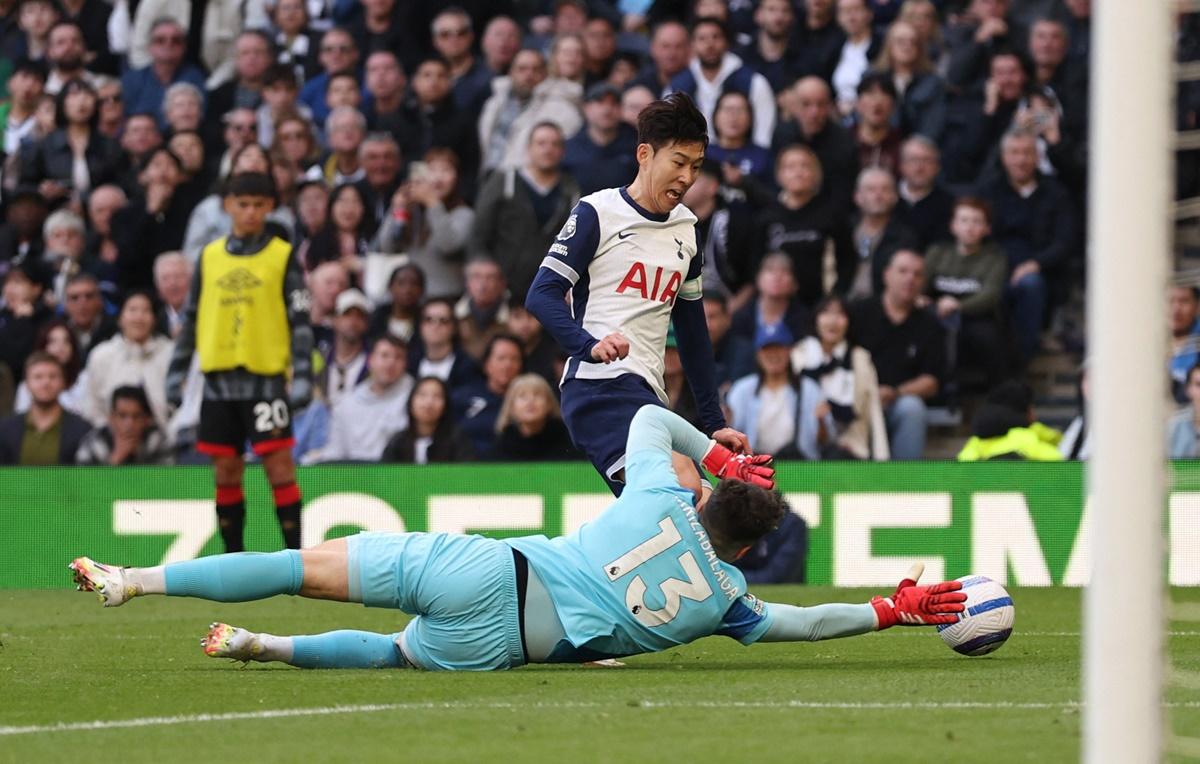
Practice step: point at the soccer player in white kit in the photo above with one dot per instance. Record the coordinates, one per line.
(625, 267)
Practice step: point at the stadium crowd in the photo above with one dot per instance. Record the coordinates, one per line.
(890, 211)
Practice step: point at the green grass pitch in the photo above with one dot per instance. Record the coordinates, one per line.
(895, 697)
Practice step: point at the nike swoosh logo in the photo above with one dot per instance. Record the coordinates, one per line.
(625, 234)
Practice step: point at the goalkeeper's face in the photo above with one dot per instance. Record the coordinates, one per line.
(249, 213)
(668, 173)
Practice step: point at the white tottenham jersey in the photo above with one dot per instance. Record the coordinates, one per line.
(626, 266)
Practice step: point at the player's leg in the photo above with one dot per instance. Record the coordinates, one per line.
(269, 426)
(334, 649)
(221, 435)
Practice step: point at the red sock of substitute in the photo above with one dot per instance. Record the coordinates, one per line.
(231, 516)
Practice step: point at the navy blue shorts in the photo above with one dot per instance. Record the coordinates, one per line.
(597, 413)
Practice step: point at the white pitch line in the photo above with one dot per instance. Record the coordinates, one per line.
(283, 713)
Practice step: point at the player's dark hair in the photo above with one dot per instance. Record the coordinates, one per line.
(135, 393)
(250, 184)
(739, 514)
(674, 119)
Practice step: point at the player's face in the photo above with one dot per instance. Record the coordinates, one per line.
(669, 173)
(249, 213)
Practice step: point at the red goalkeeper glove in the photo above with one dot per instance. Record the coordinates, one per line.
(748, 468)
(913, 605)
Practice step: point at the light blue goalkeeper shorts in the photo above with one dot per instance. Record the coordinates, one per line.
(462, 590)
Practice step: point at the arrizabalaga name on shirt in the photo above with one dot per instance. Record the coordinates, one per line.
(728, 587)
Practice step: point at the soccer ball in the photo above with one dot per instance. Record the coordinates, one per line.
(987, 621)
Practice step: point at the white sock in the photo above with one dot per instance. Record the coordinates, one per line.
(148, 580)
(274, 648)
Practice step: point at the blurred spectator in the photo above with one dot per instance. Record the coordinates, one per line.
(111, 96)
(477, 405)
(822, 40)
(22, 310)
(240, 129)
(429, 118)
(925, 205)
(102, 204)
(500, 44)
(519, 102)
(310, 428)
(679, 395)
(1076, 443)
(1006, 85)
(136, 356)
(859, 49)
(430, 222)
(346, 361)
(75, 158)
(980, 32)
(365, 419)
(908, 348)
(344, 236)
(83, 307)
(541, 352)
(144, 89)
(777, 303)
(1183, 431)
(565, 62)
(722, 230)
(849, 385)
(130, 435)
(1184, 318)
(670, 50)
(1048, 46)
(878, 231)
(529, 427)
(774, 407)
(188, 145)
(481, 312)
(54, 337)
(875, 134)
(746, 166)
(338, 53)
(1034, 224)
(209, 221)
(280, 93)
(921, 94)
(92, 18)
(733, 354)
(379, 157)
(599, 48)
(36, 18)
(65, 53)
(431, 436)
(603, 153)
(519, 212)
(295, 39)
(47, 434)
(325, 282)
(965, 281)
(802, 225)
(312, 209)
(633, 100)
(63, 234)
(437, 352)
(770, 53)
(25, 86)
(172, 283)
(406, 287)
(295, 139)
(813, 124)
(155, 223)
(922, 16)
(385, 83)
(253, 55)
(381, 26)
(1005, 429)
(714, 70)
(345, 129)
(21, 234)
(454, 39)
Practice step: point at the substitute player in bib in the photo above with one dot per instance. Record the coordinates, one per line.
(247, 318)
(653, 571)
(628, 264)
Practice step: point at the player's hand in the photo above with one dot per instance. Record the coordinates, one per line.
(735, 441)
(912, 605)
(612, 348)
(748, 468)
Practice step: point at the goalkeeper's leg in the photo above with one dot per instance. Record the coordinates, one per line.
(334, 649)
(318, 573)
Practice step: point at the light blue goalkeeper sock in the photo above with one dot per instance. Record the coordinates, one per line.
(237, 577)
(347, 649)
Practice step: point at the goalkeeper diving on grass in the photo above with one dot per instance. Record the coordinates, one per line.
(653, 571)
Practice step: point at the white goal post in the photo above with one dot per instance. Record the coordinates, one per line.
(1132, 172)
